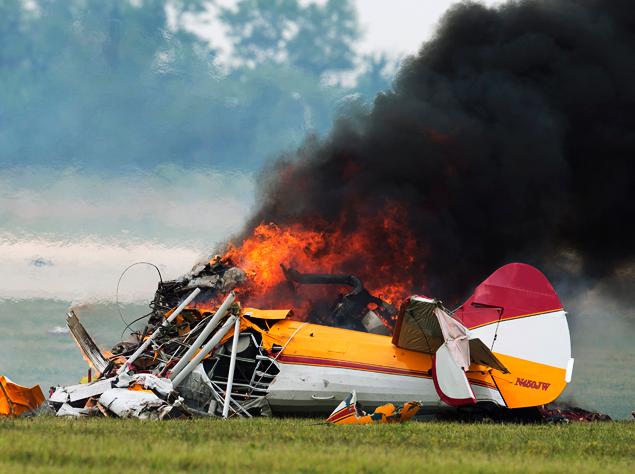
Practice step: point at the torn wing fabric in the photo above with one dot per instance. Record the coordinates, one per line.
(424, 326)
(455, 335)
(480, 354)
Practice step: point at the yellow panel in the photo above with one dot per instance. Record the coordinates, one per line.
(529, 383)
(267, 313)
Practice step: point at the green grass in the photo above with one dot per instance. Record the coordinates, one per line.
(48, 444)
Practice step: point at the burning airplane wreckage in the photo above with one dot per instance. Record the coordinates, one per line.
(202, 353)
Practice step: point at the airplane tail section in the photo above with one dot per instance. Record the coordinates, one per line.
(513, 327)
(518, 317)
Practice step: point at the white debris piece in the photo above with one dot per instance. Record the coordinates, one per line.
(67, 410)
(60, 395)
(162, 386)
(83, 391)
(134, 404)
(124, 380)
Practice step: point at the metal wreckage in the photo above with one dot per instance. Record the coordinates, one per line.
(505, 352)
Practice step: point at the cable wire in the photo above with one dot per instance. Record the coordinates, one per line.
(117, 290)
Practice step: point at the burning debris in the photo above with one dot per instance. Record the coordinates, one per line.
(357, 309)
(216, 277)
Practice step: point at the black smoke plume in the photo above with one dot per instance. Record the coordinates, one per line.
(510, 136)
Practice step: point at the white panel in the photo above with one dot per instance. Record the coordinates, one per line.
(298, 384)
(450, 377)
(543, 338)
(569, 373)
(486, 394)
(310, 386)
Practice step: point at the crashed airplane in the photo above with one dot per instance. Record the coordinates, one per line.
(507, 346)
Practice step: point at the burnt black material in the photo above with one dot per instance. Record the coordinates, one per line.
(350, 308)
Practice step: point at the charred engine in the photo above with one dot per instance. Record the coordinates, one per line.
(357, 309)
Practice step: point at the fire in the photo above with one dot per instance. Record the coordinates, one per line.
(379, 249)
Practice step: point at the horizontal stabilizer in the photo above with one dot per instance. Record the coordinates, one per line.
(480, 354)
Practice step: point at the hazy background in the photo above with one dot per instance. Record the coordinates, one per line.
(134, 130)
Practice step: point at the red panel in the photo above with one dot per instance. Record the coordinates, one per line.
(514, 290)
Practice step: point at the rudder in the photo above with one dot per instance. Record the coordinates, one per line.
(517, 314)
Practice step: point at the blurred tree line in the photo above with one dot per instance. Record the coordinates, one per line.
(111, 84)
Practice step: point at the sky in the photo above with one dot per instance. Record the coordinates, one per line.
(398, 27)
(393, 27)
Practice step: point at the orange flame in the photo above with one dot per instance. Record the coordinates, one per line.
(380, 250)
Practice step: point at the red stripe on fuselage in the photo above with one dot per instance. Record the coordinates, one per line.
(344, 364)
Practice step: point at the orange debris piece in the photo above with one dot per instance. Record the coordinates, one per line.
(349, 412)
(16, 399)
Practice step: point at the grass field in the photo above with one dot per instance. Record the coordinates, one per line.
(290, 445)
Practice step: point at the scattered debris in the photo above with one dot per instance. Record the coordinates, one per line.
(555, 413)
(87, 346)
(140, 404)
(143, 396)
(140, 380)
(16, 400)
(350, 412)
